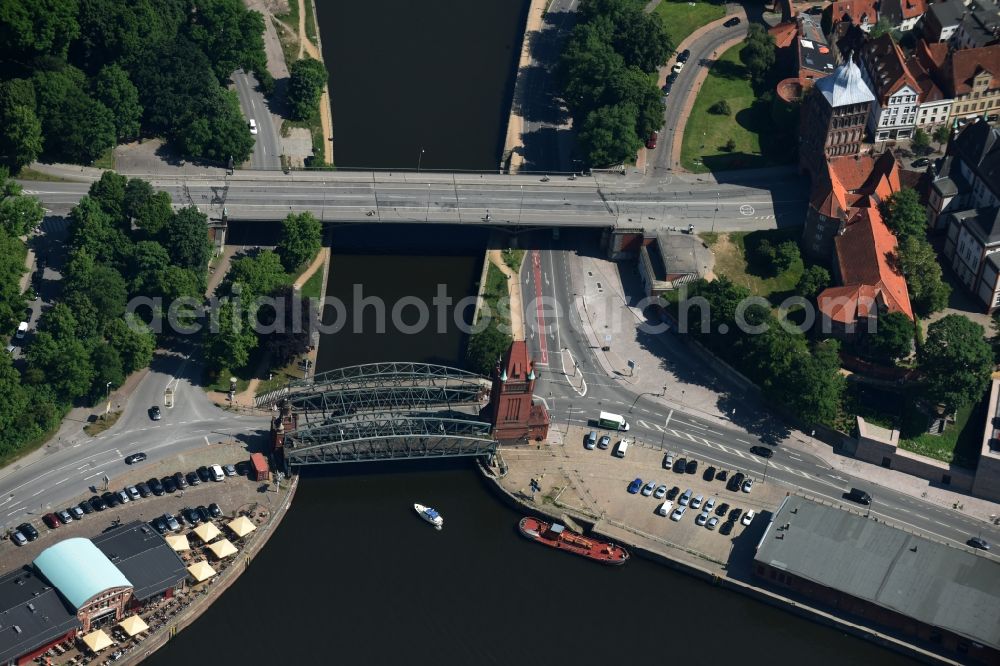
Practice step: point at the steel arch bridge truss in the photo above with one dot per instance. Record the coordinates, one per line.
(345, 402)
(388, 437)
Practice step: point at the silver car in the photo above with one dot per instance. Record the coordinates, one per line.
(660, 492)
(647, 489)
(702, 518)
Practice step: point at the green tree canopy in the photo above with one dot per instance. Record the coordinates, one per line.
(133, 341)
(893, 337)
(608, 135)
(77, 127)
(941, 134)
(814, 280)
(918, 263)
(230, 344)
(32, 28)
(758, 54)
(19, 214)
(305, 85)
(186, 238)
(485, 348)
(107, 364)
(257, 275)
(904, 214)
(115, 90)
(956, 362)
(21, 140)
(301, 237)
(231, 36)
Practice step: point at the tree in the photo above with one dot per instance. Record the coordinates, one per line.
(721, 108)
(148, 209)
(133, 341)
(229, 344)
(956, 362)
(920, 141)
(881, 27)
(813, 281)
(12, 300)
(786, 255)
(301, 237)
(758, 54)
(64, 363)
(214, 129)
(917, 261)
(608, 136)
(291, 339)
(109, 193)
(257, 275)
(107, 364)
(941, 134)
(76, 127)
(230, 35)
(21, 140)
(308, 76)
(147, 264)
(186, 238)
(100, 284)
(20, 214)
(729, 146)
(814, 387)
(893, 337)
(485, 347)
(115, 90)
(31, 28)
(904, 214)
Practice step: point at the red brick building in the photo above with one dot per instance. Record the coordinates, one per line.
(514, 414)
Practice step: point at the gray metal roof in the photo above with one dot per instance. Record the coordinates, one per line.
(948, 12)
(681, 253)
(144, 557)
(845, 86)
(939, 585)
(31, 614)
(983, 223)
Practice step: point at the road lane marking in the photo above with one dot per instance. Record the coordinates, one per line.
(669, 416)
(87, 478)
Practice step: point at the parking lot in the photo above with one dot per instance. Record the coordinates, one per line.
(231, 494)
(596, 483)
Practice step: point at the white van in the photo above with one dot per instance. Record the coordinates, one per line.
(22, 328)
(217, 473)
(621, 448)
(665, 508)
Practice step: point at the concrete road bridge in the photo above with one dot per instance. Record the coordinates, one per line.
(382, 411)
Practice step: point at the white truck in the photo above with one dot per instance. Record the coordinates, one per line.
(612, 421)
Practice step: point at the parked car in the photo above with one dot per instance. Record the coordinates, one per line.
(710, 504)
(204, 474)
(702, 518)
(684, 55)
(155, 486)
(722, 510)
(722, 475)
(712, 522)
(735, 481)
(978, 542)
(647, 489)
(217, 473)
(748, 517)
(97, 504)
(678, 513)
(28, 530)
(111, 499)
(214, 509)
(154, 413)
(747, 485)
(203, 513)
(919, 163)
(64, 517)
(133, 493)
(191, 516)
(696, 502)
(726, 527)
(665, 508)
(193, 479)
(143, 489)
(229, 470)
(604, 442)
(123, 496)
(51, 521)
(634, 487)
(18, 538)
(761, 451)
(660, 492)
(734, 515)
(692, 467)
(180, 480)
(671, 77)
(668, 461)
(135, 458)
(685, 498)
(76, 512)
(672, 493)
(171, 522)
(709, 473)
(160, 525)
(86, 507)
(169, 484)
(651, 141)
(677, 67)
(735, 21)
(680, 465)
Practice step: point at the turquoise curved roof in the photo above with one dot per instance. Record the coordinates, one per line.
(79, 570)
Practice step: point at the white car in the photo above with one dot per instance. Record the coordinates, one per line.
(696, 502)
(668, 461)
(660, 492)
(702, 518)
(748, 517)
(133, 493)
(747, 485)
(685, 498)
(22, 329)
(647, 489)
(712, 522)
(677, 68)
(217, 473)
(709, 504)
(665, 508)
(253, 126)
(678, 513)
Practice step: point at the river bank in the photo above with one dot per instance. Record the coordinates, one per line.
(592, 494)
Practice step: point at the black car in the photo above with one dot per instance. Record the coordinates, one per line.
(111, 499)
(978, 542)
(155, 486)
(28, 530)
(671, 78)
(204, 474)
(709, 473)
(192, 479)
(143, 489)
(160, 525)
(732, 22)
(735, 481)
(169, 484)
(726, 527)
(684, 55)
(692, 467)
(921, 162)
(204, 513)
(154, 413)
(135, 458)
(680, 464)
(735, 514)
(191, 516)
(97, 503)
(86, 507)
(672, 493)
(214, 509)
(761, 451)
(722, 509)
(859, 496)
(722, 475)
(180, 480)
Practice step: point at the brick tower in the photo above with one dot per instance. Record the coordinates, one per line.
(514, 416)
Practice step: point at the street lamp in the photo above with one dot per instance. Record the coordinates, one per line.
(420, 157)
(662, 392)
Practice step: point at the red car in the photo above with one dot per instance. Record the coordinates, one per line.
(51, 521)
(651, 141)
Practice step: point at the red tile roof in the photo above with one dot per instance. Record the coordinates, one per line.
(913, 8)
(863, 257)
(928, 89)
(855, 10)
(784, 34)
(931, 56)
(887, 67)
(967, 63)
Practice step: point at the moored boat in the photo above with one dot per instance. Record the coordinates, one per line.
(557, 536)
(430, 515)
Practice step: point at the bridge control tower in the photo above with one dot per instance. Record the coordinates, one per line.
(515, 416)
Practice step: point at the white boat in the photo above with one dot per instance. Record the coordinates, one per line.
(430, 515)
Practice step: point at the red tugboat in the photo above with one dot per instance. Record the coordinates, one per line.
(557, 536)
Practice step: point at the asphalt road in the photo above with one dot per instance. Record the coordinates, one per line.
(267, 149)
(686, 433)
(759, 201)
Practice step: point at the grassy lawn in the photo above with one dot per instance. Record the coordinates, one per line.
(731, 261)
(27, 173)
(103, 422)
(681, 18)
(310, 22)
(280, 377)
(764, 132)
(513, 258)
(313, 286)
(107, 160)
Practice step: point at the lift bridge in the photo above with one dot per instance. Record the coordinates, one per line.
(381, 411)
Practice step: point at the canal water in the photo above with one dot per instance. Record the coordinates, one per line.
(430, 76)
